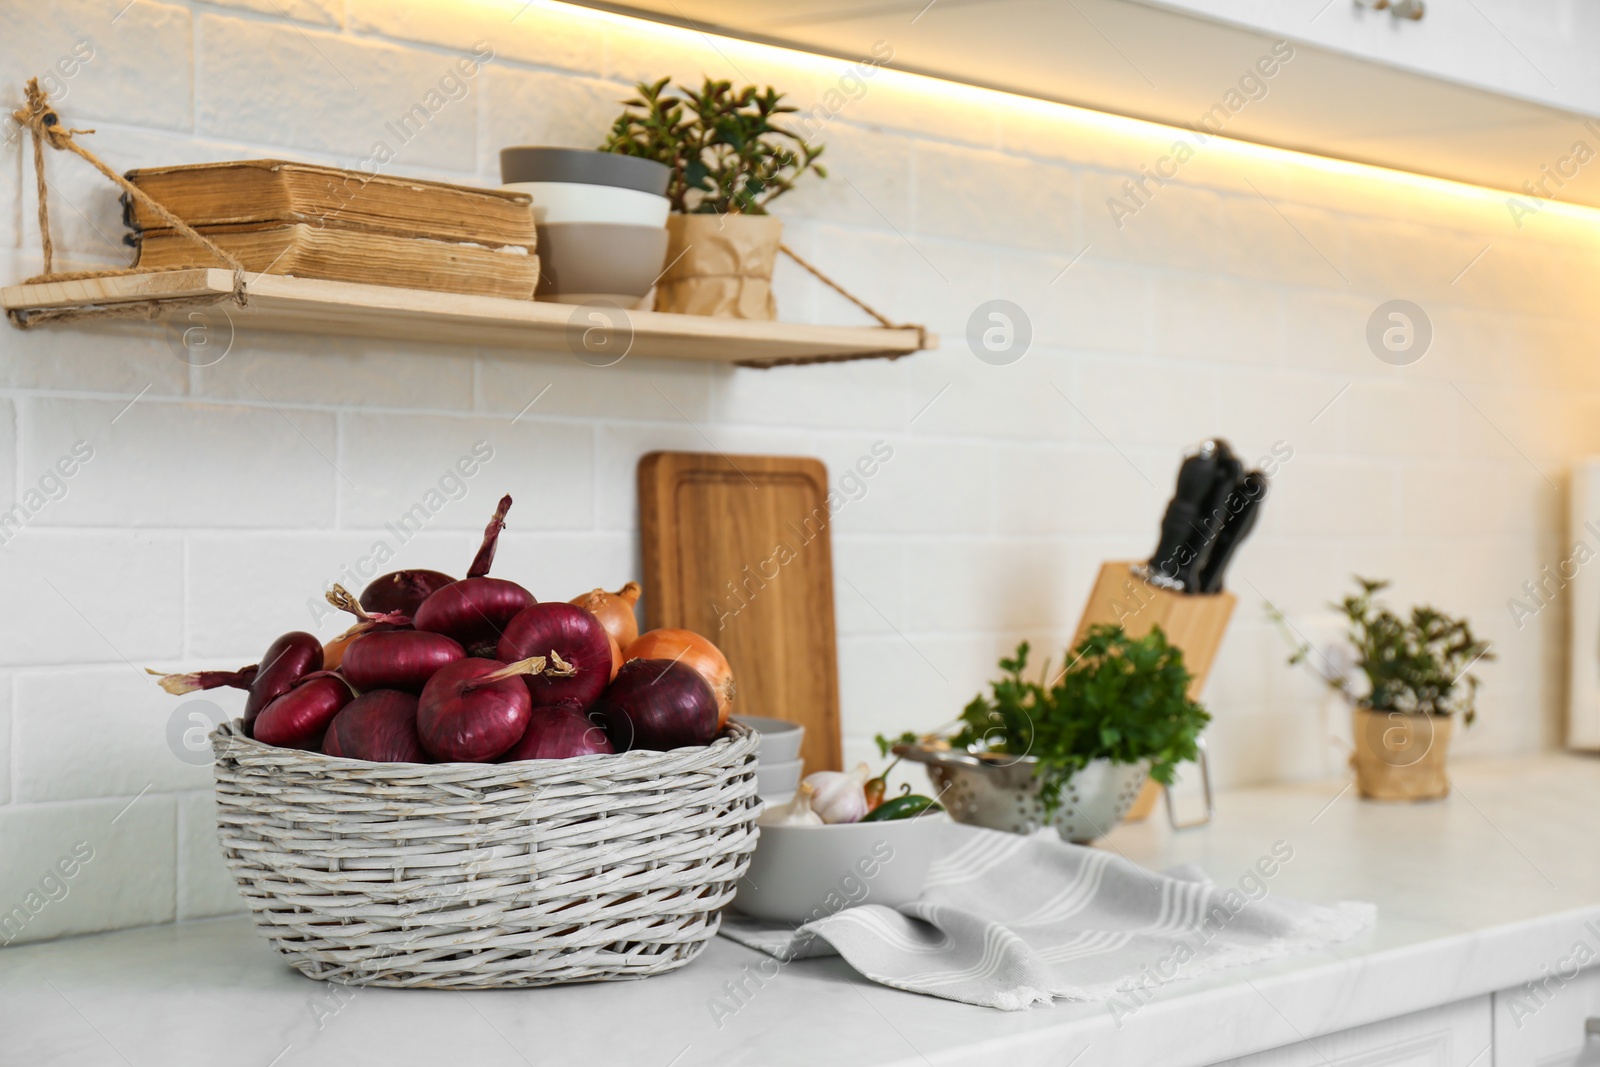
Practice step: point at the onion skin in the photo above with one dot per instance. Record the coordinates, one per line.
(300, 717)
(179, 684)
(614, 610)
(398, 659)
(575, 644)
(616, 659)
(380, 727)
(559, 732)
(692, 650)
(491, 540)
(402, 591)
(657, 704)
(473, 710)
(474, 611)
(287, 660)
(366, 622)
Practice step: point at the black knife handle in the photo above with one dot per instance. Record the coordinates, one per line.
(1213, 512)
(1174, 559)
(1243, 507)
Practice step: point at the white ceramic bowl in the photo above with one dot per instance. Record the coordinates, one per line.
(780, 740)
(578, 202)
(801, 873)
(773, 779)
(581, 262)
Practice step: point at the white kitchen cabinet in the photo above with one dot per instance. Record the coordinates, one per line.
(1490, 92)
(1534, 49)
(1542, 1025)
(1456, 1035)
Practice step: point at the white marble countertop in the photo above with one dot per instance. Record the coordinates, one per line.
(1474, 894)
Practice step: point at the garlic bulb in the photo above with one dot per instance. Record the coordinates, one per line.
(797, 812)
(838, 796)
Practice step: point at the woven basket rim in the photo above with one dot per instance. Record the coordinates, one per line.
(229, 740)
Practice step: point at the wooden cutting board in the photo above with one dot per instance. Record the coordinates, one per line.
(737, 548)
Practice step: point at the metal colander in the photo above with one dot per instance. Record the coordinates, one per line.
(1002, 792)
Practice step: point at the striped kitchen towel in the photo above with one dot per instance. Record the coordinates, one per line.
(1009, 921)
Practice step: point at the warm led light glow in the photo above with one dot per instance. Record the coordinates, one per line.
(960, 94)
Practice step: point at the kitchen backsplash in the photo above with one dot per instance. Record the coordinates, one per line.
(1233, 299)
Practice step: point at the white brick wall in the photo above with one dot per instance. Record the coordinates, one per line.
(1235, 302)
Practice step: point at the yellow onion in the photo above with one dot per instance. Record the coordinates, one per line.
(614, 610)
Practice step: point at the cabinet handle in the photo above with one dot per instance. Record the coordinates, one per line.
(1591, 1027)
(1400, 9)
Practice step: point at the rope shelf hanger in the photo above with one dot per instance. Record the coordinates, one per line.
(882, 320)
(44, 122)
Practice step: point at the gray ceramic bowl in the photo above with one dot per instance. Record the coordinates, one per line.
(583, 261)
(777, 779)
(780, 739)
(799, 873)
(538, 163)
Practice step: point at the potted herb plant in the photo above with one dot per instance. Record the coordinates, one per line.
(1072, 752)
(1415, 678)
(729, 159)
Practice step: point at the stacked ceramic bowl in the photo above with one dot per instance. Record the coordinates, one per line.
(601, 218)
(778, 762)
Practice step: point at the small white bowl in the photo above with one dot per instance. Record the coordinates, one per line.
(801, 873)
(780, 739)
(579, 202)
(773, 779)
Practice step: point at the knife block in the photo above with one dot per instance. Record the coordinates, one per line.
(1193, 623)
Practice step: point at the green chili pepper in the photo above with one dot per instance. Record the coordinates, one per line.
(904, 807)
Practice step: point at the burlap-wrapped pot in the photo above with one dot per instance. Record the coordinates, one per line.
(1400, 756)
(720, 265)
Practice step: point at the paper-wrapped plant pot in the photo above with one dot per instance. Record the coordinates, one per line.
(720, 265)
(1400, 756)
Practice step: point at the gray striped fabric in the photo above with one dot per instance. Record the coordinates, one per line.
(1008, 921)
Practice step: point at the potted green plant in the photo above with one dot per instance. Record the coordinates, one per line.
(1072, 752)
(730, 159)
(1415, 678)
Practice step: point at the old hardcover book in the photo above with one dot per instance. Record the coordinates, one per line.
(365, 256)
(278, 191)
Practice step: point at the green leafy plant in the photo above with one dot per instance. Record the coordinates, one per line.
(1418, 665)
(1121, 698)
(726, 152)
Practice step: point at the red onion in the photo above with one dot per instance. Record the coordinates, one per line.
(398, 659)
(300, 717)
(574, 642)
(287, 660)
(657, 704)
(380, 726)
(476, 609)
(559, 732)
(402, 591)
(475, 709)
(330, 740)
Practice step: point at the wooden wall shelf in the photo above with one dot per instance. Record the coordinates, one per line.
(305, 305)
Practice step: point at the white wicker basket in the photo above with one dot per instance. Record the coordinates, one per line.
(478, 876)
